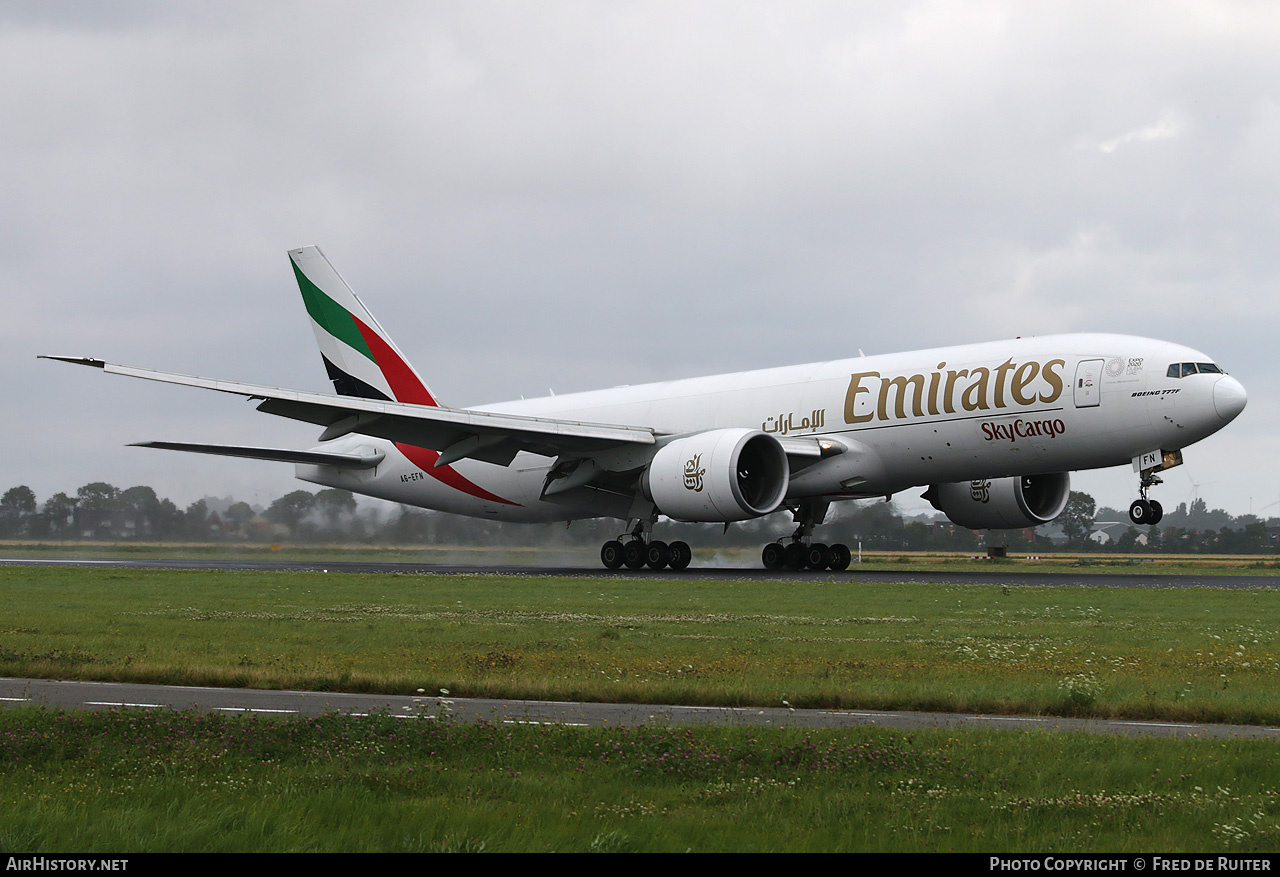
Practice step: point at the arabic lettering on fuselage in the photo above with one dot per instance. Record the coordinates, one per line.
(946, 391)
(784, 424)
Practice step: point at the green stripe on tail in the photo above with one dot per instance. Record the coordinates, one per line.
(331, 316)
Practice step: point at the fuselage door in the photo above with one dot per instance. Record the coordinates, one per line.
(1088, 383)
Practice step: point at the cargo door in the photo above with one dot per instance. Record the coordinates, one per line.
(1088, 383)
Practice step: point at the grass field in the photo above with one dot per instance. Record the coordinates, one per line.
(1180, 654)
(589, 557)
(132, 782)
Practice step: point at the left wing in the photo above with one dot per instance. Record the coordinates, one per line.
(455, 432)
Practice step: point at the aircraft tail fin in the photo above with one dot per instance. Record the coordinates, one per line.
(359, 355)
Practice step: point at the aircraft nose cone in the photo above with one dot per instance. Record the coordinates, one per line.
(1229, 397)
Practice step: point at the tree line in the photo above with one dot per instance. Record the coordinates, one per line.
(101, 511)
(1190, 528)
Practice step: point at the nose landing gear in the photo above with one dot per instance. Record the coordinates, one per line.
(1146, 511)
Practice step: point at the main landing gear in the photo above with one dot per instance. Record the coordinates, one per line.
(802, 552)
(1146, 511)
(797, 555)
(639, 551)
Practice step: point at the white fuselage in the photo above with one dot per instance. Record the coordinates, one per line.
(1020, 407)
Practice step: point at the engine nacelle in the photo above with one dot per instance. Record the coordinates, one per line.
(1003, 503)
(720, 475)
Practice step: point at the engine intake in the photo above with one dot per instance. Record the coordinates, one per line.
(720, 475)
(1002, 503)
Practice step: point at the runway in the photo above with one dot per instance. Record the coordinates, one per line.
(69, 695)
(997, 575)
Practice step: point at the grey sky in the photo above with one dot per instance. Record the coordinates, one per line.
(572, 195)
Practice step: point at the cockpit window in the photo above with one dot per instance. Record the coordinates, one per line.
(1182, 369)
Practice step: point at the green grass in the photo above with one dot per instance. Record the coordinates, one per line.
(117, 782)
(588, 557)
(1198, 655)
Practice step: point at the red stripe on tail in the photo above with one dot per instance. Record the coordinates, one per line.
(400, 377)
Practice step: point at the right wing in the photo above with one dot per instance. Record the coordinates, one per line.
(277, 455)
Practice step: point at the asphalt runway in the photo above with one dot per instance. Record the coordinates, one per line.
(69, 695)
(998, 575)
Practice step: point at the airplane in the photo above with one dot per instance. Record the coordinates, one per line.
(992, 430)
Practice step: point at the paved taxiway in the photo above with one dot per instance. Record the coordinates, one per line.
(997, 575)
(110, 695)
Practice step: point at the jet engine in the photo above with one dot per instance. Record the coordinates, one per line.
(719, 475)
(1002, 503)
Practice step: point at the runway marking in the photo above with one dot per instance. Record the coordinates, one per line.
(559, 724)
(35, 560)
(465, 710)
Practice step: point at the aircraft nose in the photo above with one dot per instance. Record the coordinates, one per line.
(1229, 397)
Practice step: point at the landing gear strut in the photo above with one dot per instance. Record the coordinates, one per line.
(801, 552)
(1146, 511)
(638, 551)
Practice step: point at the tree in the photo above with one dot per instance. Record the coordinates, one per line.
(238, 517)
(58, 515)
(1155, 540)
(17, 508)
(1128, 540)
(334, 504)
(875, 524)
(95, 504)
(166, 521)
(97, 497)
(195, 521)
(1077, 518)
(291, 508)
(337, 510)
(139, 506)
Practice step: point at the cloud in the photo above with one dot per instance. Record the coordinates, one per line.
(578, 194)
(1167, 127)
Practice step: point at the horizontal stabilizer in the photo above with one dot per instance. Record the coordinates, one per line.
(279, 455)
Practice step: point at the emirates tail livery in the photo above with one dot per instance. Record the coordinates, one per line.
(991, 430)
